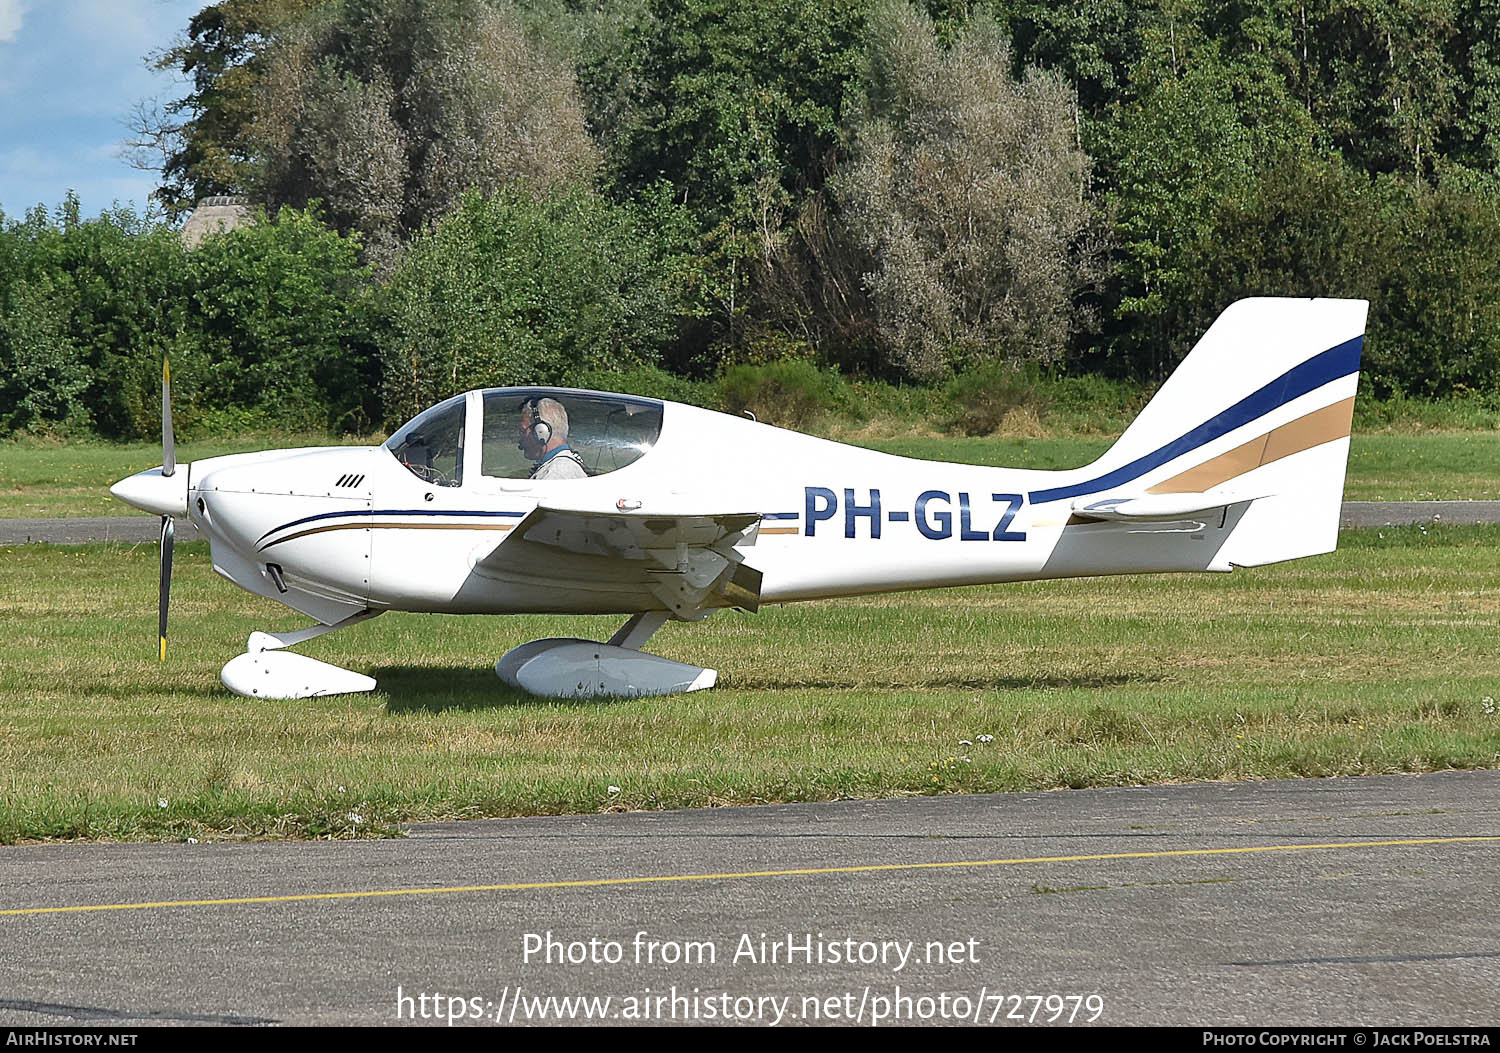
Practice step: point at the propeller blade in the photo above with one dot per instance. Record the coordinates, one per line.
(168, 443)
(165, 591)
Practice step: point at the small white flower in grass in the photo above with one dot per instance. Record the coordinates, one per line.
(986, 738)
(614, 789)
(161, 802)
(356, 818)
(342, 790)
(1488, 703)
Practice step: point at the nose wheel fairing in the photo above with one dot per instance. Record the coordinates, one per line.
(265, 670)
(283, 674)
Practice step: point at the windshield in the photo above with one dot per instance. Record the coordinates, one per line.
(553, 433)
(432, 445)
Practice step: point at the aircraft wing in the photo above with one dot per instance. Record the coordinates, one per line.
(686, 558)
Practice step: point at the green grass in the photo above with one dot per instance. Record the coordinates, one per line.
(1378, 658)
(1424, 468)
(1441, 467)
(40, 480)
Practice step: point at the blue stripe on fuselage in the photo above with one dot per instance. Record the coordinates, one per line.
(1332, 364)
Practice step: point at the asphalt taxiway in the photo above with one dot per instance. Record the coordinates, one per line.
(1311, 902)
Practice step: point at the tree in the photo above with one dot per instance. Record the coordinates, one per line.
(1093, 43)
(200, 143)
(520, 288)
(1207, 112)
(737, 104)
(968, 190)
(388, 110)
(1474, 140)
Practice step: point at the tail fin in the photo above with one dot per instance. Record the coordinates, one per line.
(1258, 414)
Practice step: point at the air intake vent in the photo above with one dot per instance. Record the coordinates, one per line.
(349, 480)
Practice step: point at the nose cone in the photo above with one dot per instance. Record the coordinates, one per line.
(150, 491)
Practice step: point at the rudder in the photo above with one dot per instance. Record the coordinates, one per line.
(1259, 412)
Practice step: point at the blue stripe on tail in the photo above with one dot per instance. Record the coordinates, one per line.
(1332, 364)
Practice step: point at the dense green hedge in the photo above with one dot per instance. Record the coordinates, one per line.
(268, 325)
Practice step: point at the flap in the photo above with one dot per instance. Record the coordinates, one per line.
(634, 535)
(688, 560)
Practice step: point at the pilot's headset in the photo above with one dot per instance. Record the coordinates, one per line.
(541, 431)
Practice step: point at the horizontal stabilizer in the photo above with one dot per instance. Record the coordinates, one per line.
(1148, 508)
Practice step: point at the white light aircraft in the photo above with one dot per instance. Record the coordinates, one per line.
(673, 512)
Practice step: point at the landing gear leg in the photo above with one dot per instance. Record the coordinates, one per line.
(634, 633)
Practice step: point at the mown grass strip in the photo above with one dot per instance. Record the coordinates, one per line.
(1383, 657)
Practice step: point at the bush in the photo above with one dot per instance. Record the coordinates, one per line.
(980, 399)
(788, 394)
(1427, 260)
(46, 372)
(262, 324)
(1093, 404)
(649, 382)
(280, 324)
(87, 308)
(1435, 320)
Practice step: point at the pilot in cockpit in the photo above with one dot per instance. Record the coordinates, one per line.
(544, 439)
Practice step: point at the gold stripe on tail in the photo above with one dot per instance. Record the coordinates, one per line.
(1316, 428)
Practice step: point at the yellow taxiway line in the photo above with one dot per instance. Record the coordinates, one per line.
(656, 879)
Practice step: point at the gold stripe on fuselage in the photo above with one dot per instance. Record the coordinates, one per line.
(391, 526)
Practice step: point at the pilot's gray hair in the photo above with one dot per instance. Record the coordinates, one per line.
(552, 412)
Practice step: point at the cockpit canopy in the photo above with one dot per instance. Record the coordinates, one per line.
(431, 444)
(605, 432)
